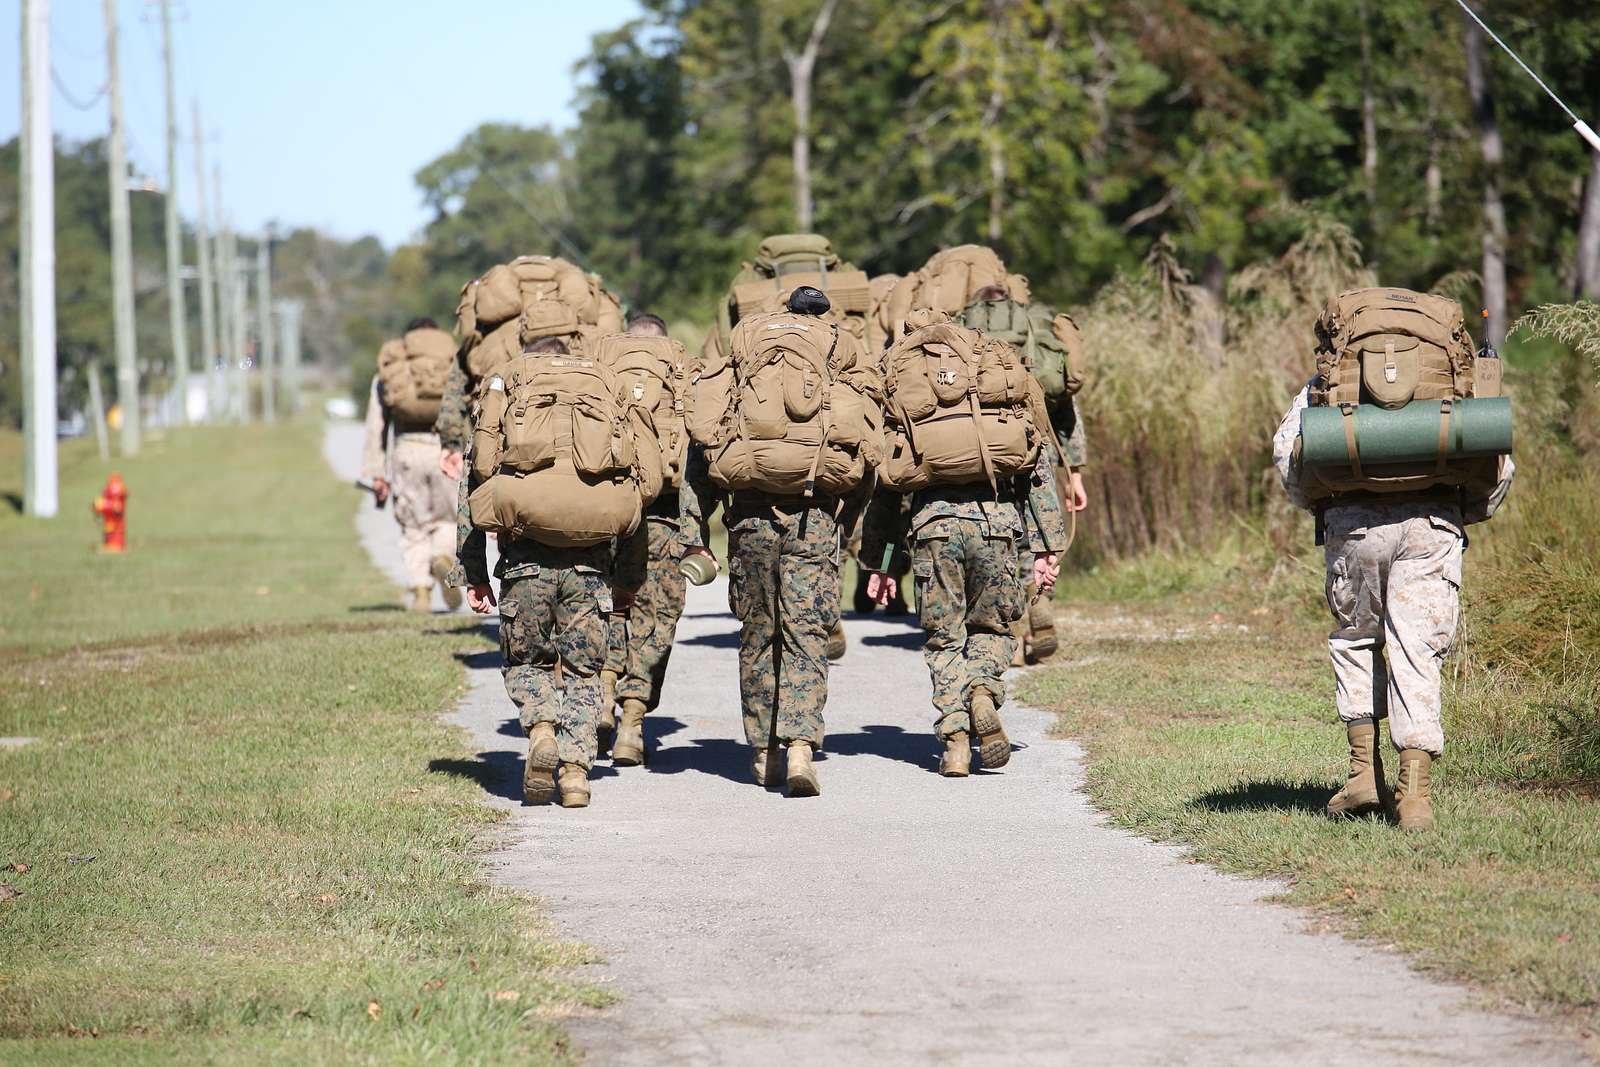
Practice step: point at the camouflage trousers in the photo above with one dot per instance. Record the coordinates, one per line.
(1394, 586)
(653, 621)
(553, 613)
(969, 596)
(783, 586)
(424, 500)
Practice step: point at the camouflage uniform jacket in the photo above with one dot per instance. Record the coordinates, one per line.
(454, 424)
(1026, 507)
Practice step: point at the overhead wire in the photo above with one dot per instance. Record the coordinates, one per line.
(1578, 124)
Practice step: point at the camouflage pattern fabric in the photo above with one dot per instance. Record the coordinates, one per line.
(1394, 581)
(423, 501)
(783, 586)
(653, 621)
(552, 609)
(968, 597)
(454, 424)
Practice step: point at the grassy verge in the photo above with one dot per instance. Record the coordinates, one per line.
(1204, 699)
(228, 842)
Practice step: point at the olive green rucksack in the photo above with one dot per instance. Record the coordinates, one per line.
(1051, 347)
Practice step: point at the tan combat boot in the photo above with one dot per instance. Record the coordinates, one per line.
(994, 747)
(1412, 799)
(628, 749)
(764, 765)
(802, 775)
(538, 773)
(574, 786)
(1020, 631)
(1042, 642)
(422, 598)
(440, 568)
(608, 702)
(957, 759)
(837, 644)
(1360, 793)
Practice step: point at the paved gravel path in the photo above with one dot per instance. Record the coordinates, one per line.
(903, 918)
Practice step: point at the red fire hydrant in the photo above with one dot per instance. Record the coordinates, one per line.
(112, 507)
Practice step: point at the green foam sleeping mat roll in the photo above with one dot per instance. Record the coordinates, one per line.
(1480, 427)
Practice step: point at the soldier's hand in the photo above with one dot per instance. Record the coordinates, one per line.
(480, 598)
(1046, 569)
(1079, 500)
(450, 463)
(881, 587)
(380, 491)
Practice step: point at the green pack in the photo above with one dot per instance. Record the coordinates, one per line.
(1029, 328)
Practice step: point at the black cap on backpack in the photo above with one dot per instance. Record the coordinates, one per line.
(808, 300)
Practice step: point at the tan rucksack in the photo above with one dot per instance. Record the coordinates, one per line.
(1390, 347)
(561, 458)
(949, 281)
(962, 410)
(785, 262)
(654, 375)
(792, 410)
(531, 285)
(879, 327)
(412, 372)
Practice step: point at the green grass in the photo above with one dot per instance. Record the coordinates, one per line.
(1208, 720)
(236, 725)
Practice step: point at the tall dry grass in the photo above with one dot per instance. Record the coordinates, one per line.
(1185, 394)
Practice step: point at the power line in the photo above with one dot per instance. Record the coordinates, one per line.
(1578, 124)
(71, 98)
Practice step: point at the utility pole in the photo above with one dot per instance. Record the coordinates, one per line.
(175, 304)
(202, 240)
(38, 181)
(241, 297)
(227, 269)
(121, 248)
(289, 331)
(264, 346)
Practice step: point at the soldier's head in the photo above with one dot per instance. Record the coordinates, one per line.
(422, 322)
(808, 300)
(547, 346)
(647, 326)
(991, 292)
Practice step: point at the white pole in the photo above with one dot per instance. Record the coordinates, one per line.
(122, 310)
(38, 179)
(177, 313)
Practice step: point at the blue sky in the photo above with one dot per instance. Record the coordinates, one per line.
(319, 113)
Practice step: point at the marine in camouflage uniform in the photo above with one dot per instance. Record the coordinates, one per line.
(553, 603)
(783, 587)
(972, 554)
(1393, 566)
(454, 427)
(653, 619)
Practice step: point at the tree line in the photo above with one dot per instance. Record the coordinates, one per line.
(1071, 135)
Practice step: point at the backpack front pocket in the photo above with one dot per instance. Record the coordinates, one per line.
(530, 435)
(598, 444)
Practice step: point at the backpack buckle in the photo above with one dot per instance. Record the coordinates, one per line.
(946, 377)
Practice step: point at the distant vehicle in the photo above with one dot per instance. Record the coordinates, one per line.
(74, 425)
(340, 407)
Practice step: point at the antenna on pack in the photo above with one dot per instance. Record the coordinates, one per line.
(1583, 128)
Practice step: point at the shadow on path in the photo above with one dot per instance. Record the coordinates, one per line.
(726, 639)
(1269, 795)
(499, 773)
